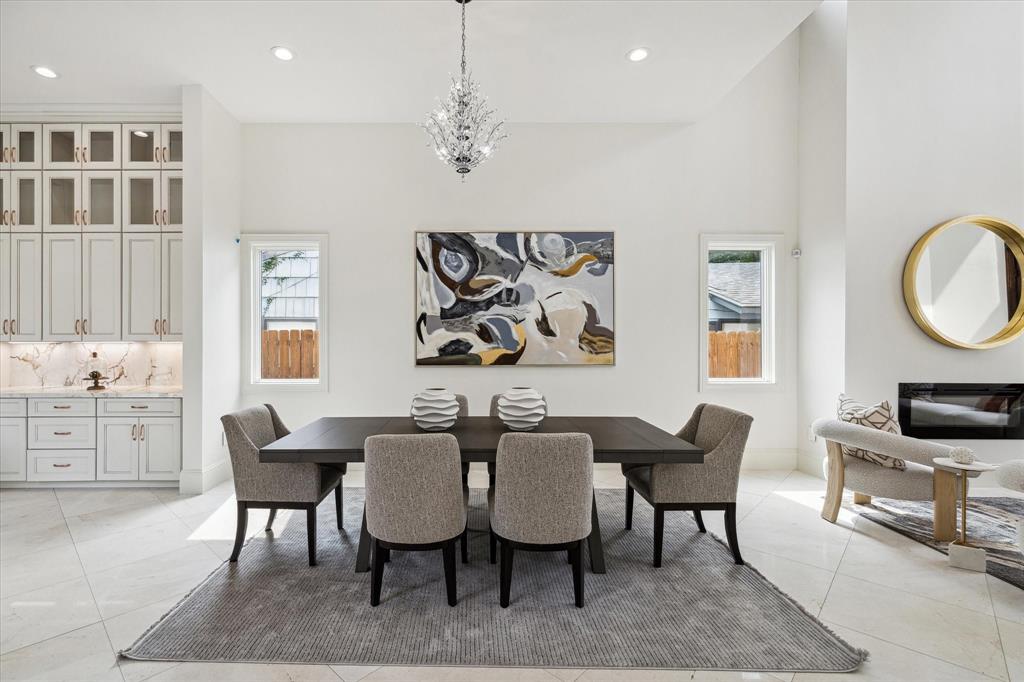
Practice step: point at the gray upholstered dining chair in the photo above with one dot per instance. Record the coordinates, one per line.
(541, 500)
(722, 434)
(411, 506)
(273, 486)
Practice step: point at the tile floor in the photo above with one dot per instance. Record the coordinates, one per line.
(84, 572)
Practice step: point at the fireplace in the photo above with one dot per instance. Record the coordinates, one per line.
(962, 411)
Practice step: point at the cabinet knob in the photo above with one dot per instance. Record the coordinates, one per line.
(164, 327)
(78, 155)
(6, 214)
(14, 217)
(156, 216)
(142, 432)
(85, 216)
(156, 326)
(62, 433)
(78, 217)
(7, 156)
(78, 327)
(167, 157)
(85, 154)
(139, 407)
(61, 466)
(14, 329)
(85, 326)
(134, 427)
(156, 154)
(165, 216)
(5, 327)
(14, 155)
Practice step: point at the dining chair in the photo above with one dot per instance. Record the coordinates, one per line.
(273, 486)
(541, 500)
(412, 506)
(722, 434)
(463, 402)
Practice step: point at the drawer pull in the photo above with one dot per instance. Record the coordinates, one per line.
(140, 407)
(62, 407)
(62, 433)
(61, 466)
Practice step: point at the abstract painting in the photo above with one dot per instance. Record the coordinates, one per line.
(515, 298)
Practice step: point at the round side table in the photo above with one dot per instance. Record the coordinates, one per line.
(961, 553)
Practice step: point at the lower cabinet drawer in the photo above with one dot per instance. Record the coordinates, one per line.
(61, 433)
(13, 407)
(62, 465)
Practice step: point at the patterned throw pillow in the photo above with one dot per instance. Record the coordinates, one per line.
(879, 417)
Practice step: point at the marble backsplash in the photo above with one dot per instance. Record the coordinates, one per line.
(65, 364)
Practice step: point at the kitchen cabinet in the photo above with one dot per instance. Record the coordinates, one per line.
(13, 448)
(20, 287)
(21, 144)
(82, 287)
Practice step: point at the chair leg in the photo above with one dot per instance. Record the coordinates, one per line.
(376, 571)
(700, 521)
(448, 554)
(243, 519)
(464, 545)
(629, 506)
(338, 506)
(311, 533)
(730, 533)
(386, 552)
(577, 573)
(493, 541)
(659, 533)
(506, 573)
(270, 520)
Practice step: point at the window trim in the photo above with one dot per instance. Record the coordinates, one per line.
(251, 244)
(771, 285)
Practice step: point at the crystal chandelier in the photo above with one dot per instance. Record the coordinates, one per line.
(461, 129)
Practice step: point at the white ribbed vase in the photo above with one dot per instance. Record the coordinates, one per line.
(435, 409)
(521, 408)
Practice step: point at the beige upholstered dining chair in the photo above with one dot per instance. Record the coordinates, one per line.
(541, 500)
(722, 434)
(274, 486)
(921, 480)
(413, 506)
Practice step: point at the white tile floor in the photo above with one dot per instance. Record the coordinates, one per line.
(84, 572)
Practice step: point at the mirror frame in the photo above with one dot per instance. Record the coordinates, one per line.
(1011, 235)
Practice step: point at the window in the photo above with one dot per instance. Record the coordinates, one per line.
(738, 291)
(285, 324)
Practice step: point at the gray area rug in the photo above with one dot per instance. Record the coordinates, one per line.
(991, 524)
(700, 611)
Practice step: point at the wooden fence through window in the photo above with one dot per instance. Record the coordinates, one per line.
(290, 354)
(734, 355)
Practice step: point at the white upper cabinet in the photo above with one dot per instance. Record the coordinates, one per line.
(62, 146)
(5, 201)
(140, 287)
(22, 145)
(62, 201)
(101, 146)
(62, 287)
(141, 146)
(172, 204)
(24, 315)
(101, 201)
(140, 193)
(172, 147)
(26, 200)
(171, 287)
(101, 287)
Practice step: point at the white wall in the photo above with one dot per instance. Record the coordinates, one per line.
(822, 266)
(370, 187)
(211, 285)
(935, 130)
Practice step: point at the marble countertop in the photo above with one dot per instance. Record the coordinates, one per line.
(115, 391)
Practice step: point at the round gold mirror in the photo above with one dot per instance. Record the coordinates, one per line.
(962, 282)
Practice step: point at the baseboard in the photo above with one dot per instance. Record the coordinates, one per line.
(811, 463)
(198, 481)
(29, 485)
(769, 458)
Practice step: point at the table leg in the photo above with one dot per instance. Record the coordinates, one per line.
(363, 553)
(963, 509)
(944, 515)
(594, 541)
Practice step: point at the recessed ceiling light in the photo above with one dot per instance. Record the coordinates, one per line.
(44, 71)
(140, 133)
(638, 54)
(282, 53)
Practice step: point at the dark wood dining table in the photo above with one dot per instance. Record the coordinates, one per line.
(630, 440)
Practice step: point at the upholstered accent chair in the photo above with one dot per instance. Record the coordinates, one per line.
(722, 434)
(919, 481)
(541, 500)
(414, 501)
(261, 485)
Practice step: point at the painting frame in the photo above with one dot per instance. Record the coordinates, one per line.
(418, 361)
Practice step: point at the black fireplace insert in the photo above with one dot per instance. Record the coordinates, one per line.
(967, 411)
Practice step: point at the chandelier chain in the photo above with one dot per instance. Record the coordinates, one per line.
(463, 40)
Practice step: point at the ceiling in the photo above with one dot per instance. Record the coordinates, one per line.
(375, 61)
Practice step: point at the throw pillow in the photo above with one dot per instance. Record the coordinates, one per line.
(879, 416)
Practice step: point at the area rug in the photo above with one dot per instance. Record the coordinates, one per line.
(699, 611)
(991, 524)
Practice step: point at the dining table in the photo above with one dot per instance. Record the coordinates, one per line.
(619, 440)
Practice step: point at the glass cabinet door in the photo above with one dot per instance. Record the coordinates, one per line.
(62, 201)
(62, 146)
(26, 201)
(26, 146)
(5, 201)
(172, 147)
(101, 201)
(140, 145)
(172, 205)
(5, 146)
(101, 146)
(140, 198)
